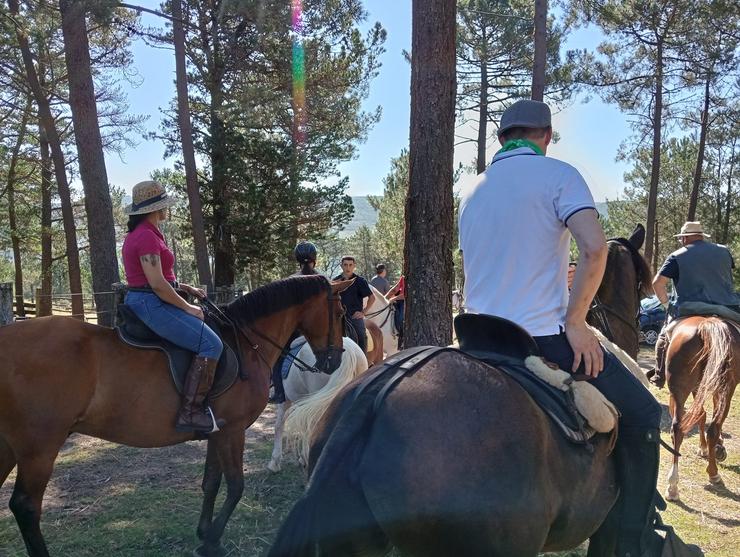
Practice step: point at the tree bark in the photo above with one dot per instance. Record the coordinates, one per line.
(12, 221)
(43, 303)
(650, 227)
(188, 149)
(483, 108)
(57, 155)
(694, 200)
(91, 160)
(429, 204)
(540, 50)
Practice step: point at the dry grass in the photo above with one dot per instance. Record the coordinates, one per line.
(106, 499)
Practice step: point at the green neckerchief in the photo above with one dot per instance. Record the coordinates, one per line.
(517, 143)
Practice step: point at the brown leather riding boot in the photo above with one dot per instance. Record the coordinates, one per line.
(193, 415)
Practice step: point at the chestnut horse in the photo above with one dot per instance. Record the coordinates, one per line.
(703, 358)
(59, 375)
(459, 460)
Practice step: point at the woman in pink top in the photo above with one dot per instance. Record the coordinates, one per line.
(149, 266)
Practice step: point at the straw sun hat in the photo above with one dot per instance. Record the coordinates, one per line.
(692, 228)
(147, 197)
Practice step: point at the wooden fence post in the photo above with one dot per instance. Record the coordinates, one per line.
(6, 303)
(119, 292)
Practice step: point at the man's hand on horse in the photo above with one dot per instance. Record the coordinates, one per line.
(586, 348)
(358, 315)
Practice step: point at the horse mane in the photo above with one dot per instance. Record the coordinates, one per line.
(274, 297)
(644, 276)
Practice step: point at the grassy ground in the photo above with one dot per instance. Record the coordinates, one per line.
(109, 500)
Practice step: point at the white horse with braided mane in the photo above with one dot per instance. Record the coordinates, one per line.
(306, 391)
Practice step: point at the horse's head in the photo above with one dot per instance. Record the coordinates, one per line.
(627, 279)
(321, 324)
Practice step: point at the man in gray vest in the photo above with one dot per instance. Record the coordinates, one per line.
(701, 272)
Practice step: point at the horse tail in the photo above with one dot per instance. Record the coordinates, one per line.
(304, 415)
(716, 355)
(310, 521)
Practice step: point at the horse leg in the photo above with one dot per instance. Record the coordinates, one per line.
(275, 464)
(714, 432)
(703, 452)
(7, 460)
(34, 471)
(211, 484)
(230, 451)
(677, 411)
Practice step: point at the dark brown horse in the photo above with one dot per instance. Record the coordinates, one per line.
(59, 375)
(458, 460)
(703, 358)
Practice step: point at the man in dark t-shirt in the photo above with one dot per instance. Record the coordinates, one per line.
(353, 299)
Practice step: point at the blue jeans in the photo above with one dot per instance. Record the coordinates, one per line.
(638, 407)
(175, 325)
(359, 326)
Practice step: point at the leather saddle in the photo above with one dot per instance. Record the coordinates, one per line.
(505, 345)
(132, 331)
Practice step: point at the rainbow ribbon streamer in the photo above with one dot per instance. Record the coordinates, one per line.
(299, 75)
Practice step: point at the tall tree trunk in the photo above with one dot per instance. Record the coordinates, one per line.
(98, 206)
(650, 227)
(12, 221)
(429, 205)
(188, 150)
(223, 251)
(728, 204)
(43, 304)
(540, 50)
(694, 200)
(57, 155)
(483, 107)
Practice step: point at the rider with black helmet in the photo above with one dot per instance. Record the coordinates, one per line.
(305, 255)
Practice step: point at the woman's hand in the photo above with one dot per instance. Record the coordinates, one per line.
(197, 292)
(195, 311)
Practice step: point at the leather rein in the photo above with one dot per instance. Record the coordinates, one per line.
(330, 352)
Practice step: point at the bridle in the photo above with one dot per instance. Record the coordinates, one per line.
(599, 310)
(390, 308)
(325, 357)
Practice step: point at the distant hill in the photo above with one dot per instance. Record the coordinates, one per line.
(365, 215)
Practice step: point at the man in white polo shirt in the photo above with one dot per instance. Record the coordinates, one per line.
(515, 227)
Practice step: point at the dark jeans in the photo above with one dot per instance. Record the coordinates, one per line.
(638, 408)
(359, 326)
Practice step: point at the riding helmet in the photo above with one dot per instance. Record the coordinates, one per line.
(305, 252)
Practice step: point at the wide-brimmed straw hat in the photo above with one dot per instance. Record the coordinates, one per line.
(692, 228)
(147, 197)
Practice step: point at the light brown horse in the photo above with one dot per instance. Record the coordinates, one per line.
(459, 460)
(59, 375)
(703, 358)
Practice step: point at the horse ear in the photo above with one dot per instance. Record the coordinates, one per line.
(637, 238)
(341, 285)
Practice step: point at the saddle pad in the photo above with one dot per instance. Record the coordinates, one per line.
(687, 309)
(557, 404)
(132, 331)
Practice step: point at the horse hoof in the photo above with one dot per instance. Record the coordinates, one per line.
(703, 453)
(716, 481)
(209, 551)
(720, 453)
(672, 495)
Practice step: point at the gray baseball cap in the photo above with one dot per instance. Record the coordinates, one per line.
(525, 114)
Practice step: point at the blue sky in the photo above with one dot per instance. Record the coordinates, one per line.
(590, 133)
